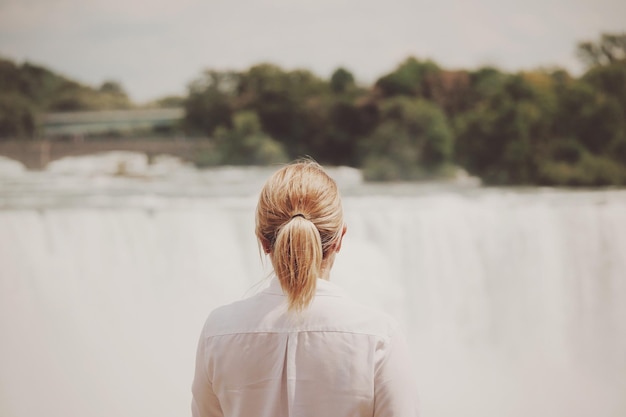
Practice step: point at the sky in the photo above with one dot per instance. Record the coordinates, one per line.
(156, 48)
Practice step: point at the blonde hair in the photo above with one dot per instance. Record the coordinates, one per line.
(299, 219)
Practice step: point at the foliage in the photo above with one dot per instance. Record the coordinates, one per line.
(413, 137)
(416, 122)
(501, 139)
(541, 126)
(246, 144)
(17, 118)
(588, 171)
(609, 80)
(208, 104)
(295, 107)
(590, 116)
(611, 48)
(341, 81)
(449, 90)
(168, 101)
(288, 103)
(348, 122)
(71, 96)
(409, 78)
(27, 91)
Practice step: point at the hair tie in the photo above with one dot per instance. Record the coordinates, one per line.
(298, 215)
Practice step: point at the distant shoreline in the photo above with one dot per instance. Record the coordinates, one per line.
(37, 154)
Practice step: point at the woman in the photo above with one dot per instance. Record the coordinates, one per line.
(301, 347)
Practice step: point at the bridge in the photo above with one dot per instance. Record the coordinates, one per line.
(63, 134)
(78, 124)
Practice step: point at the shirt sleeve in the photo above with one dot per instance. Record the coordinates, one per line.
(394, 388)
(204, 402)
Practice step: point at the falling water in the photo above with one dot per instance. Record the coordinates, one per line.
(513, 301)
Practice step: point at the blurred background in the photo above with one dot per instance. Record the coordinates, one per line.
(480, 149)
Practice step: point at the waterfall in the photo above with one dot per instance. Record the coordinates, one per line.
(513, 301)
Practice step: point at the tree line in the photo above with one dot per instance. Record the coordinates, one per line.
(419, 121)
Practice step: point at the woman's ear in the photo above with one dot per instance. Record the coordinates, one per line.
(343, 232)
(266, 245)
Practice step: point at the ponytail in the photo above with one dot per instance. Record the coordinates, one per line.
(297, 260)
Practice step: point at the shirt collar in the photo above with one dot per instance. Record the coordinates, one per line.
(323, 288)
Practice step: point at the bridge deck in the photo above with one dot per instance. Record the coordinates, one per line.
(90, 122)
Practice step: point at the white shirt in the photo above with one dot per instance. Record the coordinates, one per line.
(334, 359)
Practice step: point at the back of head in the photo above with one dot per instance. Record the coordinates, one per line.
(299, 221)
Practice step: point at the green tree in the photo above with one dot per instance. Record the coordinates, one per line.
(10, 77)
(246, 144)
(413, 141)
(501, 139)
(113, 87)
(38, 84)
(209, 103)
(349, 121)
(169, 101)
(408, 79)
(602, 116)
(610, 48)
(485, 84)
(17, 117)
(290, 104)
(49, 91)
(610, 80)
(341, 81)
(588, 116)
(449, 90)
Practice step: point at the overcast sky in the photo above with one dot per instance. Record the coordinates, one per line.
(157, 47)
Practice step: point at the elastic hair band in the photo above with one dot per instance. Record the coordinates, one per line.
(298, 215)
